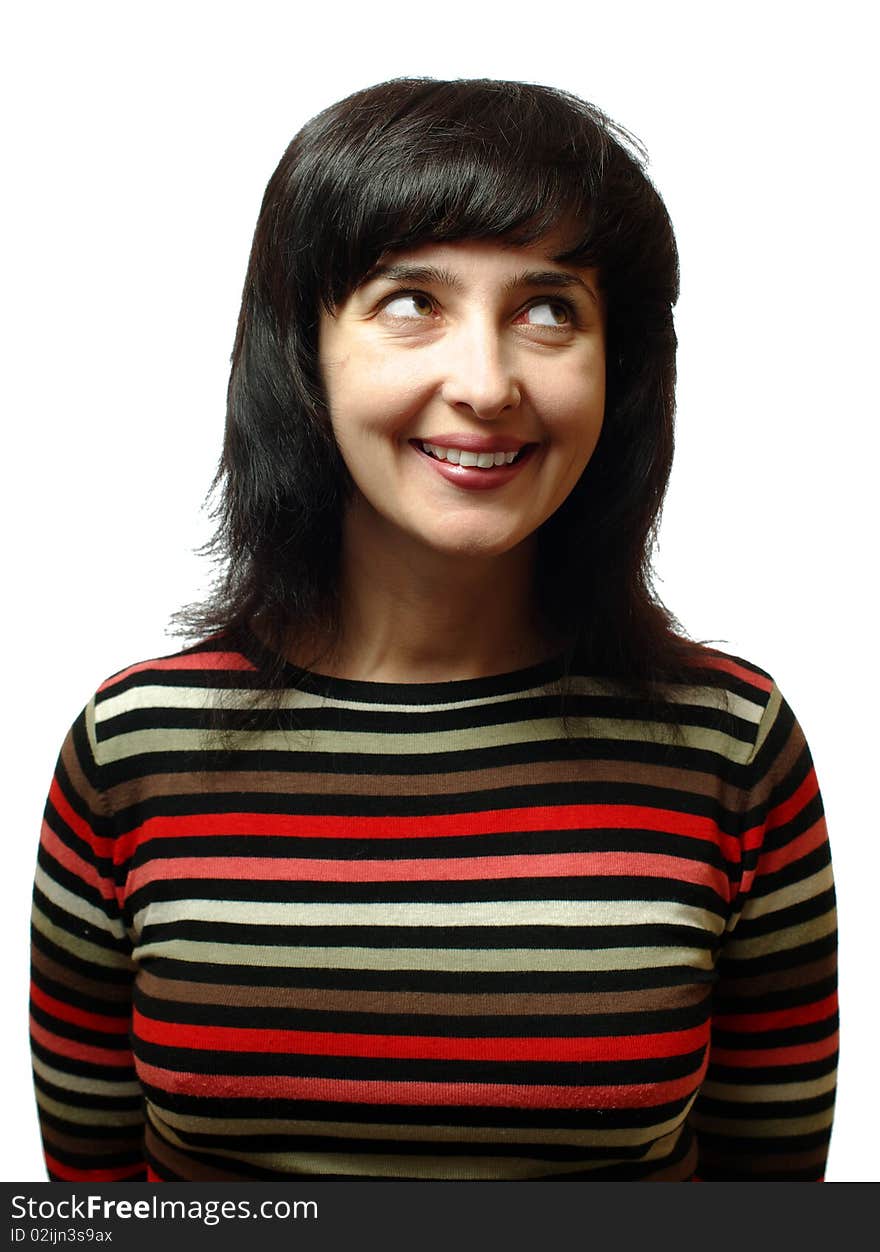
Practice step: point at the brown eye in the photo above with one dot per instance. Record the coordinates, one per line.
(548, 313)
(412, 305)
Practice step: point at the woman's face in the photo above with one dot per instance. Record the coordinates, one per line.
(466, 388)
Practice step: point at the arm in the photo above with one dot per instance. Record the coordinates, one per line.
(88, 1097)
(765, 1109)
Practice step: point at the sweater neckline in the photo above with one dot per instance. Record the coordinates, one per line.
(538, 674)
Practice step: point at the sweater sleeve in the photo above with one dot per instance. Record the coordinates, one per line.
(765, 1109)
(88, 1098)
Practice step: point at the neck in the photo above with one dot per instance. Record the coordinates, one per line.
(415, 614)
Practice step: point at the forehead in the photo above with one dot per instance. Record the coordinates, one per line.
(453, 263)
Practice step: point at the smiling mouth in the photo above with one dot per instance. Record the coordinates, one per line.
(471, 460)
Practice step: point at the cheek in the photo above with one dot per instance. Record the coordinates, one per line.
(372, 396)
(574, 408)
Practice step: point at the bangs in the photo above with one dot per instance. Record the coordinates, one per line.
(437, 162)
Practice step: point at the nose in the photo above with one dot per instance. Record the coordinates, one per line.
(479, 373)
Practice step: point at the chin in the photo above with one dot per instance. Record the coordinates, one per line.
(474, 546)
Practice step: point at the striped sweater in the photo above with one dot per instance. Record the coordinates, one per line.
(427, 931)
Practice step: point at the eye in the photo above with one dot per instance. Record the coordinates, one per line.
(548, 313)
(414, 305)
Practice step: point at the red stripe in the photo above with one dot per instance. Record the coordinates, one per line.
(420, 1047)
(729, 666)
(80, 827)
(790, 808)
(442, 1095)
(799, 1054)
(813, 837)
(459, 869)
(79, 1051)
(769, 862)
(198, 661)
(432, 826)
(800, 1015)
(79, 1017)
(74, 864)
(751, 841)
(71, 1173)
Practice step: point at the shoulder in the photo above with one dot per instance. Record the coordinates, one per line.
(726, 680)
(169, 692)
(735, 673)
(212, 661)
(749, 697)
(716, 705)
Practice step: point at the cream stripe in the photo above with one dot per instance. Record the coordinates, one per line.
(90, 720)
(403, 1132)
(383, 1164)
(456, 960)
(749, 1093)
(371, 743)
(782, 940)
(774, 1128)
(90, 1116)
(69, 942)
(76, 907)
(76, 1082)
(157, 696)
(774, 704)
(491, 913)
(201, 698)
(796, 893)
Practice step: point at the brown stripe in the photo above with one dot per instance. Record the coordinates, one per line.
(221, 782)
(72, 980)
(788, 755)
(783, 979)
(423, 1167)
(212, 1131)
(680, 1171)
(184, 1166)
(85, 1145)
(770, 1165)
(404, 1003)
(93, 799)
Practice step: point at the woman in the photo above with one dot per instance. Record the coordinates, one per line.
(444, 853)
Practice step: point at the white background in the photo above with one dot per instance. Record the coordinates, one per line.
(139, 144)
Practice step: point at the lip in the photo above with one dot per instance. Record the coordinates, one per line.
(475, 443)
(471, 477)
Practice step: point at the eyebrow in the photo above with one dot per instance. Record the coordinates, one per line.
(559, 279)
(404, 271)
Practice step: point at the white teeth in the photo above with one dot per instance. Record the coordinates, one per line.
(459, 456)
